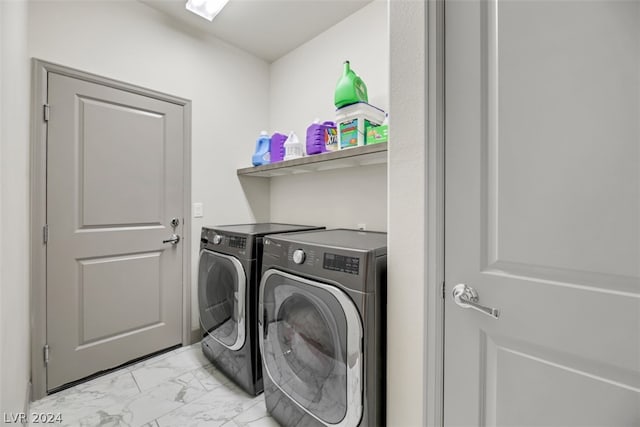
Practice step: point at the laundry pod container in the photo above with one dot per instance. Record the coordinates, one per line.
(354, 120)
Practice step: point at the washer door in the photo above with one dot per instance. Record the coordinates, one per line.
(222, 286)
(311, 337)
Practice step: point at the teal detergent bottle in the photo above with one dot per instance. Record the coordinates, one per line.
(350, 88)
(262, 154)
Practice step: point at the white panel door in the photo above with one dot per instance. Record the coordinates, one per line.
(543, 212)
(114, 182)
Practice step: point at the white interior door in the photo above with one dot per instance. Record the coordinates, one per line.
(543, 212)
(114, 182)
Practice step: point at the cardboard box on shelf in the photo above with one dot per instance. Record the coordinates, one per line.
(376, 134)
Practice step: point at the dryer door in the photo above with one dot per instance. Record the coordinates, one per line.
(311, 336)
(222, 285)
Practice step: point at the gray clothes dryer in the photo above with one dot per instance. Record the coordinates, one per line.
(228, 279)
(322, 327)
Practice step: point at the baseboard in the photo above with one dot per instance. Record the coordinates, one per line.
(196, 335)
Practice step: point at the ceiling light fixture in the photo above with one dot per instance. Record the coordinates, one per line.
(208, 9)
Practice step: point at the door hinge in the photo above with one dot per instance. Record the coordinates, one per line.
(47, 111)
(444, 290)
(45, 233)
(46, 354)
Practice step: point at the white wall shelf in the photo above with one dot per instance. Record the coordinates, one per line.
(347, 158)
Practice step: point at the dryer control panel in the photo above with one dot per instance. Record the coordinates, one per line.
(228, 243)
(237, 242)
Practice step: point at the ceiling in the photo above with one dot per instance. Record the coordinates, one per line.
(266, 28)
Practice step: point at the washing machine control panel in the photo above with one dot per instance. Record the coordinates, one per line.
(341, 263)
(217, 239)
(326, 260)
(299, 256)
(346, 267)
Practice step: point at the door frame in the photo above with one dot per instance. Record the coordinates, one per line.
(417, 120)
(436, 291)
(38, 265)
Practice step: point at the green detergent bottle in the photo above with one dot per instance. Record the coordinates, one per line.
(350, 88)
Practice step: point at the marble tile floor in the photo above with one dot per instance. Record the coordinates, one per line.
(175, 389)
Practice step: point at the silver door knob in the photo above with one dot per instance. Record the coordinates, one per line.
(467, 297)
(173, 240)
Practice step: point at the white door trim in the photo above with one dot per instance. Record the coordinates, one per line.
(40, 70)
(435, 197)
(416, 202)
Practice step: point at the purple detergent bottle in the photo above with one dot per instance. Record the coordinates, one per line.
(319, 136)
(277, 147)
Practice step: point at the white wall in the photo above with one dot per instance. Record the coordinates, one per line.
(302, 87)
(14, 212)
(407, 256)
(134, 43)
(336, 198)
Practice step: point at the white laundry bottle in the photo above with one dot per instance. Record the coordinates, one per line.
(293, 147)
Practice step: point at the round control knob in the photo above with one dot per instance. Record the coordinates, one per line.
(217, 239)
(299, 256)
